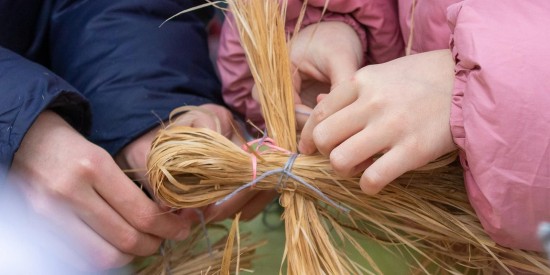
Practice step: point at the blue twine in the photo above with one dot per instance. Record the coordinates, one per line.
(262, 139)
(205, 231)
(163, 250)
(286, 173)
(302, 113)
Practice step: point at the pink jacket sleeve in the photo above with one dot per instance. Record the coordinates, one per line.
(375, 21)
(500, 115)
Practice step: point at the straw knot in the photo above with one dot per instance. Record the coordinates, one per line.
(281, 185)
(285, 174)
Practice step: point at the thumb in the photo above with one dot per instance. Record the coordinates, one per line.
(296, 84)
(204, 116)
(296, 79)
(220, 119)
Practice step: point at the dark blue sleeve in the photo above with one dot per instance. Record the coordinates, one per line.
(26, 89)
(133, 72)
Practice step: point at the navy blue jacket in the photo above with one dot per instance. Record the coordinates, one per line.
(104, 65)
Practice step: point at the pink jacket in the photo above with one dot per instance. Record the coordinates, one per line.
(375, 21)
(500, 116)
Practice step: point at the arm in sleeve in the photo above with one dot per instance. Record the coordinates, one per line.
(500, 116)
(375, 22)
(132, 71)
(27, 89)
(236, 78)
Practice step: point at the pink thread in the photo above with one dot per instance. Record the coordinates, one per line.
(264, 141)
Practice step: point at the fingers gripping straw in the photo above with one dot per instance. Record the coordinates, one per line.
(426, 211)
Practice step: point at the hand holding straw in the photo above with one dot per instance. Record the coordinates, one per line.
(425, 212)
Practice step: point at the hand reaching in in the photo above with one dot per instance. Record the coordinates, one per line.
(78, 187)
(134, 158)
(400, 109)
(322, 55)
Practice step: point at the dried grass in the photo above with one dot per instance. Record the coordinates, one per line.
(190, 257)
(425, 213)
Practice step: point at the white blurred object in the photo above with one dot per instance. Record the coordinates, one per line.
(544, 235)
(27, 244)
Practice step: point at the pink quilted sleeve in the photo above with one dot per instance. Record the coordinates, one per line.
(375, 21)
(235, 75)
(500, 115)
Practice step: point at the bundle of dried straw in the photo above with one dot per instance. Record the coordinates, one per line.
(189, 257)
(425, 212)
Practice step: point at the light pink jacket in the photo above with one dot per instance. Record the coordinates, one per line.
(375, 21)
(500, 116)
(500, 113)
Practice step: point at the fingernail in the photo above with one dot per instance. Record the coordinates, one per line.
(303, 149)
(300, 147)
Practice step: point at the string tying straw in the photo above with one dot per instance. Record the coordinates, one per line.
(205, 231)
(266, 141)
(285, 174)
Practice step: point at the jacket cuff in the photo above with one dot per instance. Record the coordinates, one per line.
(456, 120)
(69, 104)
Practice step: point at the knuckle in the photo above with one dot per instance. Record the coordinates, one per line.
(90, 162)
(145, 219)
(319, 113)
(82, 168)
(414, 145)
(420, 149)
(134, 242)
(64, 188)
(129, 242)
(377, 103)
(363, 77)
(398, 125)
(321, 139)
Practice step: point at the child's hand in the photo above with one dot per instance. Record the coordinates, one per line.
(400, 108)
(134, 155)
(322, 55)
(250, 202)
